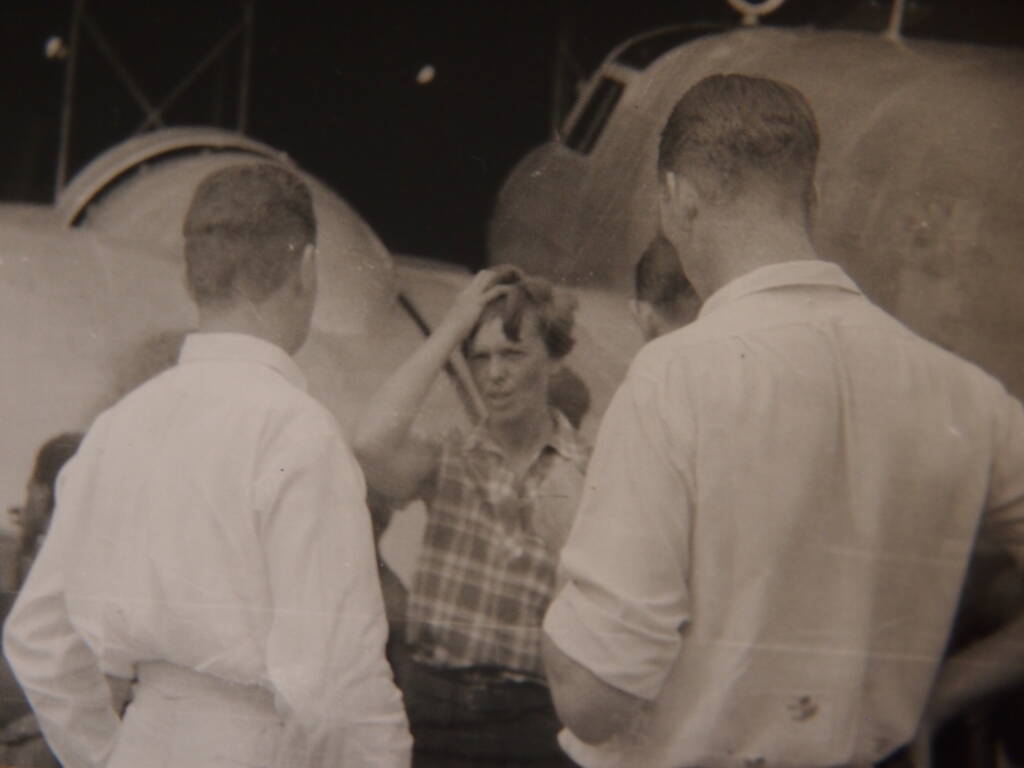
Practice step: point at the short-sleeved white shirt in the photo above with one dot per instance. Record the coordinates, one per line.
(215, 519)
(775, 526)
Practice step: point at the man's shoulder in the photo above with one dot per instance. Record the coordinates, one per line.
(139, 400)
(703, 355)
(299, 412)
(970, 378)
(947, 364)
(263, 398)
(656, 357)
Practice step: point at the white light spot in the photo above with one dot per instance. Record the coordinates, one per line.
(55, 48)
(426, 74)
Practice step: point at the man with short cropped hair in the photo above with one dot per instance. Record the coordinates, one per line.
(211, 535)
(784, 495)
(663, 299)
(500, 500)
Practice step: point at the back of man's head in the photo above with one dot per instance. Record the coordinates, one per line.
(664, 298)
(730, 134)
(245, 232)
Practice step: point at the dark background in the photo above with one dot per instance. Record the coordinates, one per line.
(334, 85)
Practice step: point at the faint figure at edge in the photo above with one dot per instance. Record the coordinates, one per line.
(33, 517)
(21, 740)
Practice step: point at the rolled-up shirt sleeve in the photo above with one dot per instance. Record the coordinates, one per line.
(325, 649)
(59, 673)
(625, 564)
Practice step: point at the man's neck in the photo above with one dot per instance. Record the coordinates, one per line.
(744, 241)
(244, 319)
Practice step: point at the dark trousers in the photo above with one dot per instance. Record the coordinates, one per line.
(473, 718)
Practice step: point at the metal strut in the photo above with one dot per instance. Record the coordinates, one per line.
(153, 113)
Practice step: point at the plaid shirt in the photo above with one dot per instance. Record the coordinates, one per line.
(487, 567)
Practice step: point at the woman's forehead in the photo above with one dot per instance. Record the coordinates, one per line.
(491, 332)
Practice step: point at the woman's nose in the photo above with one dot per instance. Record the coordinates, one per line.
(496, 368)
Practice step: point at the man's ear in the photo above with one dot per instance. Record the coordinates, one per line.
(667, 191)
(186, 283)
(307, 268)
(811, 202)
(677, 201)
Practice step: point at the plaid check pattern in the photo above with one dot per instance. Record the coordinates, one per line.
(486, 573)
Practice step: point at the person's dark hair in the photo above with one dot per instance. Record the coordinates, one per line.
(245, 231)
(555, 312)
(729, 131)
(52, 456)
(658, 277)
